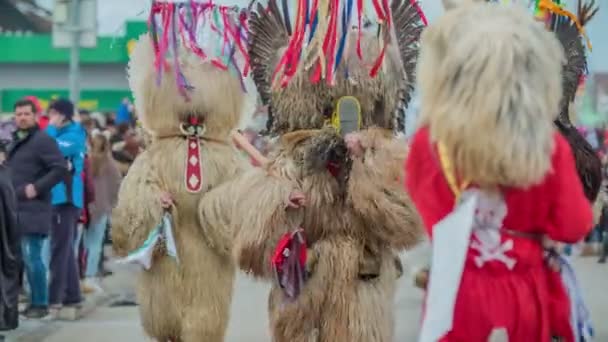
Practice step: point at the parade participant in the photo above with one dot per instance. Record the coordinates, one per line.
(326, 214)
(189, 100)
(490, 138)
(566, 28)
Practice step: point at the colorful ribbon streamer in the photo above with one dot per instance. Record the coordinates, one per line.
(174, 25)
(326, 25)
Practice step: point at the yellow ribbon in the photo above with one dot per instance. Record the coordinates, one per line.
(549, 5)
(314, 50)
(449, 173)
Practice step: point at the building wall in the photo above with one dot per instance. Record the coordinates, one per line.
(55, 76)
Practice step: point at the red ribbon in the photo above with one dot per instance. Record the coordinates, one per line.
(387, 13)
(237, 38)
(383, 13)
(166, 14)
(187, 38)
(316, 75)
(379, 11)
(245, 27)
(163, 45)
(219, 64)
(420, 12)
(374, 71)
(288, 64)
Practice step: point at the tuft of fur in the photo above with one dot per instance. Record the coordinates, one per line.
(490, 85)
(138, 209)
(214, 92)
(376, 194)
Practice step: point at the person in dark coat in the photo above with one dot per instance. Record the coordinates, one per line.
(36, 165)
(10, 252)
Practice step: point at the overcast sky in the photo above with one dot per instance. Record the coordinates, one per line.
(113, 13)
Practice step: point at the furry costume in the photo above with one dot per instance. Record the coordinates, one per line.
(521, 170)
(588, 163)
(186, 299)
(349, 295)
(570, 35)
(357, 215)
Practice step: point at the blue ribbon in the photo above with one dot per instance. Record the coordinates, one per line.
(347, 11)
(313, 27)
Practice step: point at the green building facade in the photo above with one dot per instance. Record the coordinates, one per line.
(36, 61)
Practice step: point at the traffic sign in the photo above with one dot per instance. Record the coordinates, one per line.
(64, 26)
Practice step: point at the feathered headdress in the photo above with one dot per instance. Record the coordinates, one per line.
(570, 31)
(302, 69)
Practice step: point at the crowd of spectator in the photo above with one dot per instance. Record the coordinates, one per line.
(65, 166)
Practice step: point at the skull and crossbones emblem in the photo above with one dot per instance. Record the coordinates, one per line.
(487, 240)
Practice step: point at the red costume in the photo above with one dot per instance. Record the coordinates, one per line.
(529, 301)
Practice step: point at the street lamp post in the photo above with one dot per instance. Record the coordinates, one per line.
(74, 28)
(74, 74)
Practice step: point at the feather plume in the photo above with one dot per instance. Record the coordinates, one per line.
(588, 164)
(267, 36)
(408, 23)
(586, 11)
(576, 63)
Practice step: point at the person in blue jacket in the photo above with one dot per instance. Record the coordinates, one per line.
(67, 198)
(123, 114)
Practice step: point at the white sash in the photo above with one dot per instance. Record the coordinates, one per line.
(450, 243)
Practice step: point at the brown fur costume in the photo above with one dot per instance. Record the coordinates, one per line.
(353, 228)
(355, 220)
(188, 301)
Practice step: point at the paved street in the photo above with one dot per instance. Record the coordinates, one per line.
(249, 321)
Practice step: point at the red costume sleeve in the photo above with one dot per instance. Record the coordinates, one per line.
(571, 216)
(425, 183)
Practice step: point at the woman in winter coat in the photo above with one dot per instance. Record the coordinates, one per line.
(106, 180)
